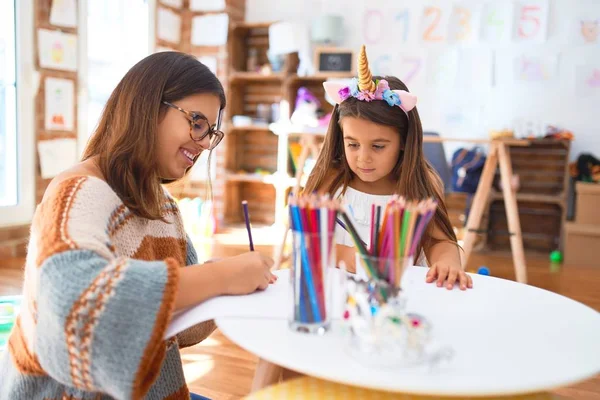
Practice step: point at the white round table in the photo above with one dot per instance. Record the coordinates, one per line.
(508, 338)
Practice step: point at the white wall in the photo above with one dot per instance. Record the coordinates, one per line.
(456, 105)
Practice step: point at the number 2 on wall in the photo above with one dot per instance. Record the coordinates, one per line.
(529, 23)
(428, 34)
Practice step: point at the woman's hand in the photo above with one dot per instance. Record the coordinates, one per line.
(246, 273)
(449, 272)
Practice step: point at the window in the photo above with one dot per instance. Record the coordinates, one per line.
(110, 22)
(17, 182)
(8, 106)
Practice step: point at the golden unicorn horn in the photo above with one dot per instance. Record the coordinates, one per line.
(365, 78)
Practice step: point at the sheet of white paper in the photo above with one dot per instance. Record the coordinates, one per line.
(442, 68)
(496, 22)
(207, 5)
(210, 30)
(60, 104)
(210, 62)
(56, 156)
(435, 23)
(169, 25)
(476, 69)
(57, 50)
(587, 80)
(273, 303)
(531, 21)
(465, 22)
(287, 37)
(172, 3)
(64, 13)
(535, 68)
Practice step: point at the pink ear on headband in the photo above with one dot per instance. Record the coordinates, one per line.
(408, 101)
(333, 90)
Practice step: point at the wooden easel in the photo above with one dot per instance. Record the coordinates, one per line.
(499, 154)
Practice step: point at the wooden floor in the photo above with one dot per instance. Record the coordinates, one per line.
(219, 369)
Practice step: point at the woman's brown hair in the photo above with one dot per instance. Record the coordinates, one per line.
(124, 141)
(416, 179)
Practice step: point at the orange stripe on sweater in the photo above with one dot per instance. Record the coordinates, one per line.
(155, 351)
(24, 361)
(52, 219)
(159, 248)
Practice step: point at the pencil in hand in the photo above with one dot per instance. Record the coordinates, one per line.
(247, 218)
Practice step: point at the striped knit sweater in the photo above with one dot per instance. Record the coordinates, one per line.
(98, 293)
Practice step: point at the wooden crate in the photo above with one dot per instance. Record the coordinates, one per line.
(541, 225)
(260, 197)
(542, 167)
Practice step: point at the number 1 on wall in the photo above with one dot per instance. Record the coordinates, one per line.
(403, 17)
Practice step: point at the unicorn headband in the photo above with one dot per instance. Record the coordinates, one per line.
(365, 89)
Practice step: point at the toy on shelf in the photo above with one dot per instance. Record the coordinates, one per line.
(553, 132)
(308, 111)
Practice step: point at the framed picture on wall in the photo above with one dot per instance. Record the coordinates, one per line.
(331, 61)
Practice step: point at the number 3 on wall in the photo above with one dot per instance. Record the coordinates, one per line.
(529, 22)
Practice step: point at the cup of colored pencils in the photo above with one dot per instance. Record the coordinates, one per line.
(395, 237)
(312, 221)
(382, 333)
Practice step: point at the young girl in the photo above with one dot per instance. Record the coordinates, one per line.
(373, 150)
(104, 274)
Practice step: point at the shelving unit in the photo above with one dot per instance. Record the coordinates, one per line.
(262, 147)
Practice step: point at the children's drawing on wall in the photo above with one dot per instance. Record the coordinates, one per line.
(476, 69)
(531, 21)
(57, 50)
(435, 22)
(64, 13)
(587, 80)
(411, 68)
(496, 22)
(590, 31)
(532, 68)
(60, 104)
(442, 68)
(384, 20)
(465, 22)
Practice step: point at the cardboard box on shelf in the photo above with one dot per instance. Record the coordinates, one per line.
(587, 209)
(581, 244)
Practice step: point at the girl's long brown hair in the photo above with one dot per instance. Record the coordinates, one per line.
(416, 178)
(125, 139)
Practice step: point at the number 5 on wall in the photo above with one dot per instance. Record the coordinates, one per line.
(532, 21)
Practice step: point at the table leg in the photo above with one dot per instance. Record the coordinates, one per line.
(512, 214)
(266, 374)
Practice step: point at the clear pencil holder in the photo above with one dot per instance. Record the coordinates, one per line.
(312, 256)
(381, 332)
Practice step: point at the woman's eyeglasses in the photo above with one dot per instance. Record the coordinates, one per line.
(200, 127)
